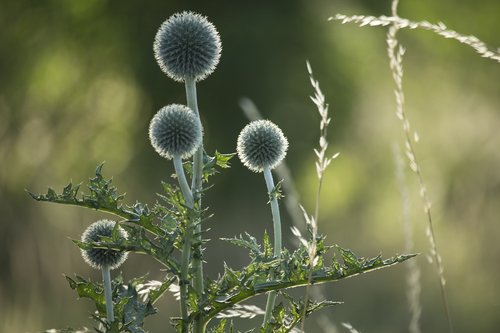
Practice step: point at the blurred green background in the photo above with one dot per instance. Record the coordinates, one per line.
(79, 85)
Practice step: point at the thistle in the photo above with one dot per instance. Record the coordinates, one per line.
(187, 46)
(104, 259)
(261, 147)
(175, 133)
(261, 144)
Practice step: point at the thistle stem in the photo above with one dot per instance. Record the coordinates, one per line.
(181, 178)
(192, 103)
(108, 294)
(277, 239)
(186, 248)
(196, 188)
(184, 281)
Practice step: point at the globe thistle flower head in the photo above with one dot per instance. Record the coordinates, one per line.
(175, 130)
(261, 144)
(187, 46)
(100, 258)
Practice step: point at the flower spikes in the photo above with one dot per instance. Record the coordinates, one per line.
(261, 144)
(175, 130)
(187, 47)
(103, 258)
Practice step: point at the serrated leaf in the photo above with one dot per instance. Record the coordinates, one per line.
(134, 310)
(276, 192)
(352, 263)
(374, 262)
(249, 243)
(212, 163)
(103, 196)
(268, 248)
(90, 290)
(295, 272)
(51, 193)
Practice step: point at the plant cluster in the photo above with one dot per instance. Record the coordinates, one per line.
(187, 47)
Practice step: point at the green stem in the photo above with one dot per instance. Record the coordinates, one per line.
(184, 280)
(181, 178)
(192, 103)
(196, 188)
(108, 294)
(186, 248)
(277, 239)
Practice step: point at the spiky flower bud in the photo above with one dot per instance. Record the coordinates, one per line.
(101, 258)
(261, 144)
(187, 46)
(175, 130)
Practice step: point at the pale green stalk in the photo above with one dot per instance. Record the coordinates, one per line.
(277, 239)
(184, 282)
(108, 294)
(181, 178)
(186, 248)
(196, 188)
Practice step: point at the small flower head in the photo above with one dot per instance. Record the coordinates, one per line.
(187, 46)
(100, 258)
(175, 130)
(261, 144)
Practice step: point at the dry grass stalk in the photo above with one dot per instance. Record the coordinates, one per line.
(321, 164)
(395, 53)
(440, 28)
(413, 274)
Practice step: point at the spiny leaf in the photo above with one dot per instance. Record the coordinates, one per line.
(102, 196)
(249, 242)
(129, 308)
(268, 248)
(286, 317)
(90, 290)
(211, 163)
(276, 192)
(133, 309)
(237, 286)
(352, 263)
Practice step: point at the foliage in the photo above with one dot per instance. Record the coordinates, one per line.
(157, 232)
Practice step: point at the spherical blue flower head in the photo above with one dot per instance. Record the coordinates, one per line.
(261, 144)
(99, 258)
(175, 130)
(187, 46)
